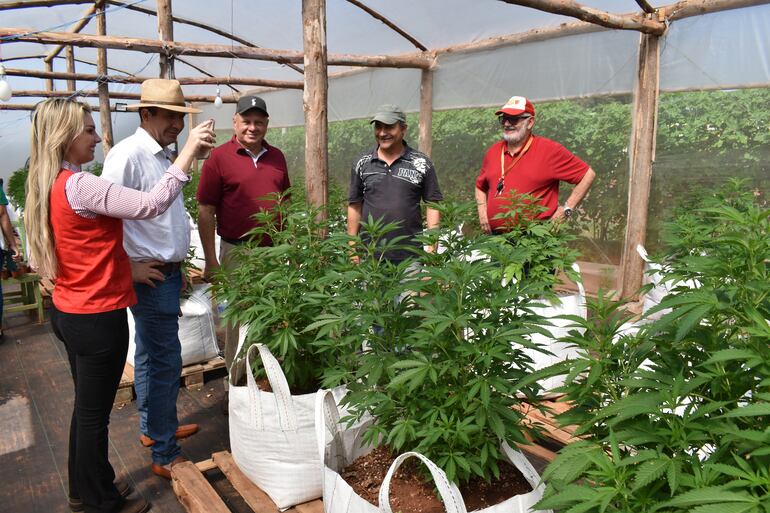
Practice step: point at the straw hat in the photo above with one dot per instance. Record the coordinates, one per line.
(162, 93)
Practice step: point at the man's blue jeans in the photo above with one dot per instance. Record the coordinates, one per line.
(158, 363)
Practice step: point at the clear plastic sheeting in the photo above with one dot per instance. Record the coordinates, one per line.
(717, 51)
(727, 49)
(582, 65)
(350, 97)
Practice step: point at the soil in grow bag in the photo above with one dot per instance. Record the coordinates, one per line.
(412, 492)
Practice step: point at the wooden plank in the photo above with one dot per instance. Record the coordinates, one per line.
(206, 465)
(538, 451)
(193, 491)
(316, 506)
(254, 497)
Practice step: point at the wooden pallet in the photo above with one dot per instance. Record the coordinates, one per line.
(197, 495)
(545, 421)
(192, 378)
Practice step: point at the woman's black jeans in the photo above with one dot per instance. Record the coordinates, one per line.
(96, 346)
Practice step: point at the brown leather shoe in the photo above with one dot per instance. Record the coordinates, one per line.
(135, 504)
(183, 431)
(76, 504)
(164, 471)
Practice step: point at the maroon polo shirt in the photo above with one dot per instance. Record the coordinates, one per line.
(231, 181)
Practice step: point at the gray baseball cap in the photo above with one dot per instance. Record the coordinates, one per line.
(249, 102)
(389, 114)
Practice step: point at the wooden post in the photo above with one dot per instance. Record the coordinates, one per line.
(426, 112)
(165, 33)
(315, 99)
(49, 81)
(104, 92)
(641, 156)
(70, 53)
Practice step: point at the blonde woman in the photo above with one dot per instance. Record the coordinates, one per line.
(75, 234)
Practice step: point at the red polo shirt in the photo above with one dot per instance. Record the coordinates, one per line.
(237, 186)
(537, 173)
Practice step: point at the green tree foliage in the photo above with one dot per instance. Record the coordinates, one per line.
(676, 417)
(17, 187)
(703, 139)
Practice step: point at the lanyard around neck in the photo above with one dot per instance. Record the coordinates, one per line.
(516, 159)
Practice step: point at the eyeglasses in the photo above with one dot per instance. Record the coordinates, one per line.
(512, 120)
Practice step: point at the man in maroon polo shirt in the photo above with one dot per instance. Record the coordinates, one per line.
(233, 187)
(524, 163)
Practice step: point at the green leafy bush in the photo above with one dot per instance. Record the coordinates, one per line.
(442, 366)
(676, 417)
(17, 187)
(280, 290)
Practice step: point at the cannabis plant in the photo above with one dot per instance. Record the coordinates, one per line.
(278, 291)
(441, 372)
(677, 417)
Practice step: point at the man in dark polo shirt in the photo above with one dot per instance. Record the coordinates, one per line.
(389, 182)
(233, 187)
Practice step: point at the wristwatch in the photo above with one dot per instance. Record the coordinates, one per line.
(567, 211)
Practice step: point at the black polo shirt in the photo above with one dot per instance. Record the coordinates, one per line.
(393, 193)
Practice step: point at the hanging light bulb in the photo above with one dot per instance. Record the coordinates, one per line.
(218, 100)
(5, 89)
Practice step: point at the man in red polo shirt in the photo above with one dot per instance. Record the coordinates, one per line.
(524, 163)
(233, 187)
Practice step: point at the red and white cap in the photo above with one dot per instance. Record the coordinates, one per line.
(515, 106)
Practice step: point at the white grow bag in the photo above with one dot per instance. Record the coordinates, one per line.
(653, 273)
(573, 304)
(272, 434)
(197, 332)
(338, 447)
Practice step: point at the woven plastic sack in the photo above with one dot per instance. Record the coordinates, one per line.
(197, 332)
(573, 304)
(339, 446)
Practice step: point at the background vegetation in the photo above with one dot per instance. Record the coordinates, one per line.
(703, 139)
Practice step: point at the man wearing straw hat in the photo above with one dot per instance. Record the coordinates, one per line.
(156, 248)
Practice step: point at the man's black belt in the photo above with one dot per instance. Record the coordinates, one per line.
(234, 242)
(169, 267)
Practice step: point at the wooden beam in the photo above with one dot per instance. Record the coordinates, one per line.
(641, 157)
(596, 16)
(31, 106)
(426, 112)
(101, 69)
(193, 23)
(688, 8)
(74, 29)
(122, 79)
(70, 56)
(646, 7)
(5, 6)
(203, 71)
(388, 23)
(83, 61)
(114, 95)
(413, 60)
(315, 103)
(165, 34)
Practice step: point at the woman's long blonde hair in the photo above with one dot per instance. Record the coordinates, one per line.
(55, 124)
